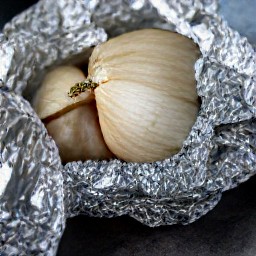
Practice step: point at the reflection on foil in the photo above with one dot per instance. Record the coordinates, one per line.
(5, 174)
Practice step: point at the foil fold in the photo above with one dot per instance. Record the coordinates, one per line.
(37, 193)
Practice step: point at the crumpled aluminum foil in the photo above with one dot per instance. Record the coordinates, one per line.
(37, 193)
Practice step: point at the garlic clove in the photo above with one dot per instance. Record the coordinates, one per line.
(52, 96)
(78, 135)
(146, 98)
(137, 127)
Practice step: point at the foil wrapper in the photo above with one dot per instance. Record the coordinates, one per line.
(38, 193)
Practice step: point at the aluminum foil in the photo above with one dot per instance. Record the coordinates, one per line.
(37, 193)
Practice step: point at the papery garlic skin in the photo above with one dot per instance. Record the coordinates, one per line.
(73, 124)
(146, 98)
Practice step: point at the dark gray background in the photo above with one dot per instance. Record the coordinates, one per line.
(230, 229)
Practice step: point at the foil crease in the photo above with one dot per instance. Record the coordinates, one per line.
(37, 193)
(31, 194)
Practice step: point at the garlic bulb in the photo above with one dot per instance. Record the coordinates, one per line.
(146, 101)
(73, 125)
(146, 98)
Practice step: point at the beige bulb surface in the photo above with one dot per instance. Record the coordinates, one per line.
(146, 99)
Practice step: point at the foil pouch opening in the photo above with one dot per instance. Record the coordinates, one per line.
(37, 193)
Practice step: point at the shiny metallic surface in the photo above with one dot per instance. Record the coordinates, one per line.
(31, 196)
(37, 193)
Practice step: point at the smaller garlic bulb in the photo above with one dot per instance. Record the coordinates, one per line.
(74, 125)
(52, 95)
